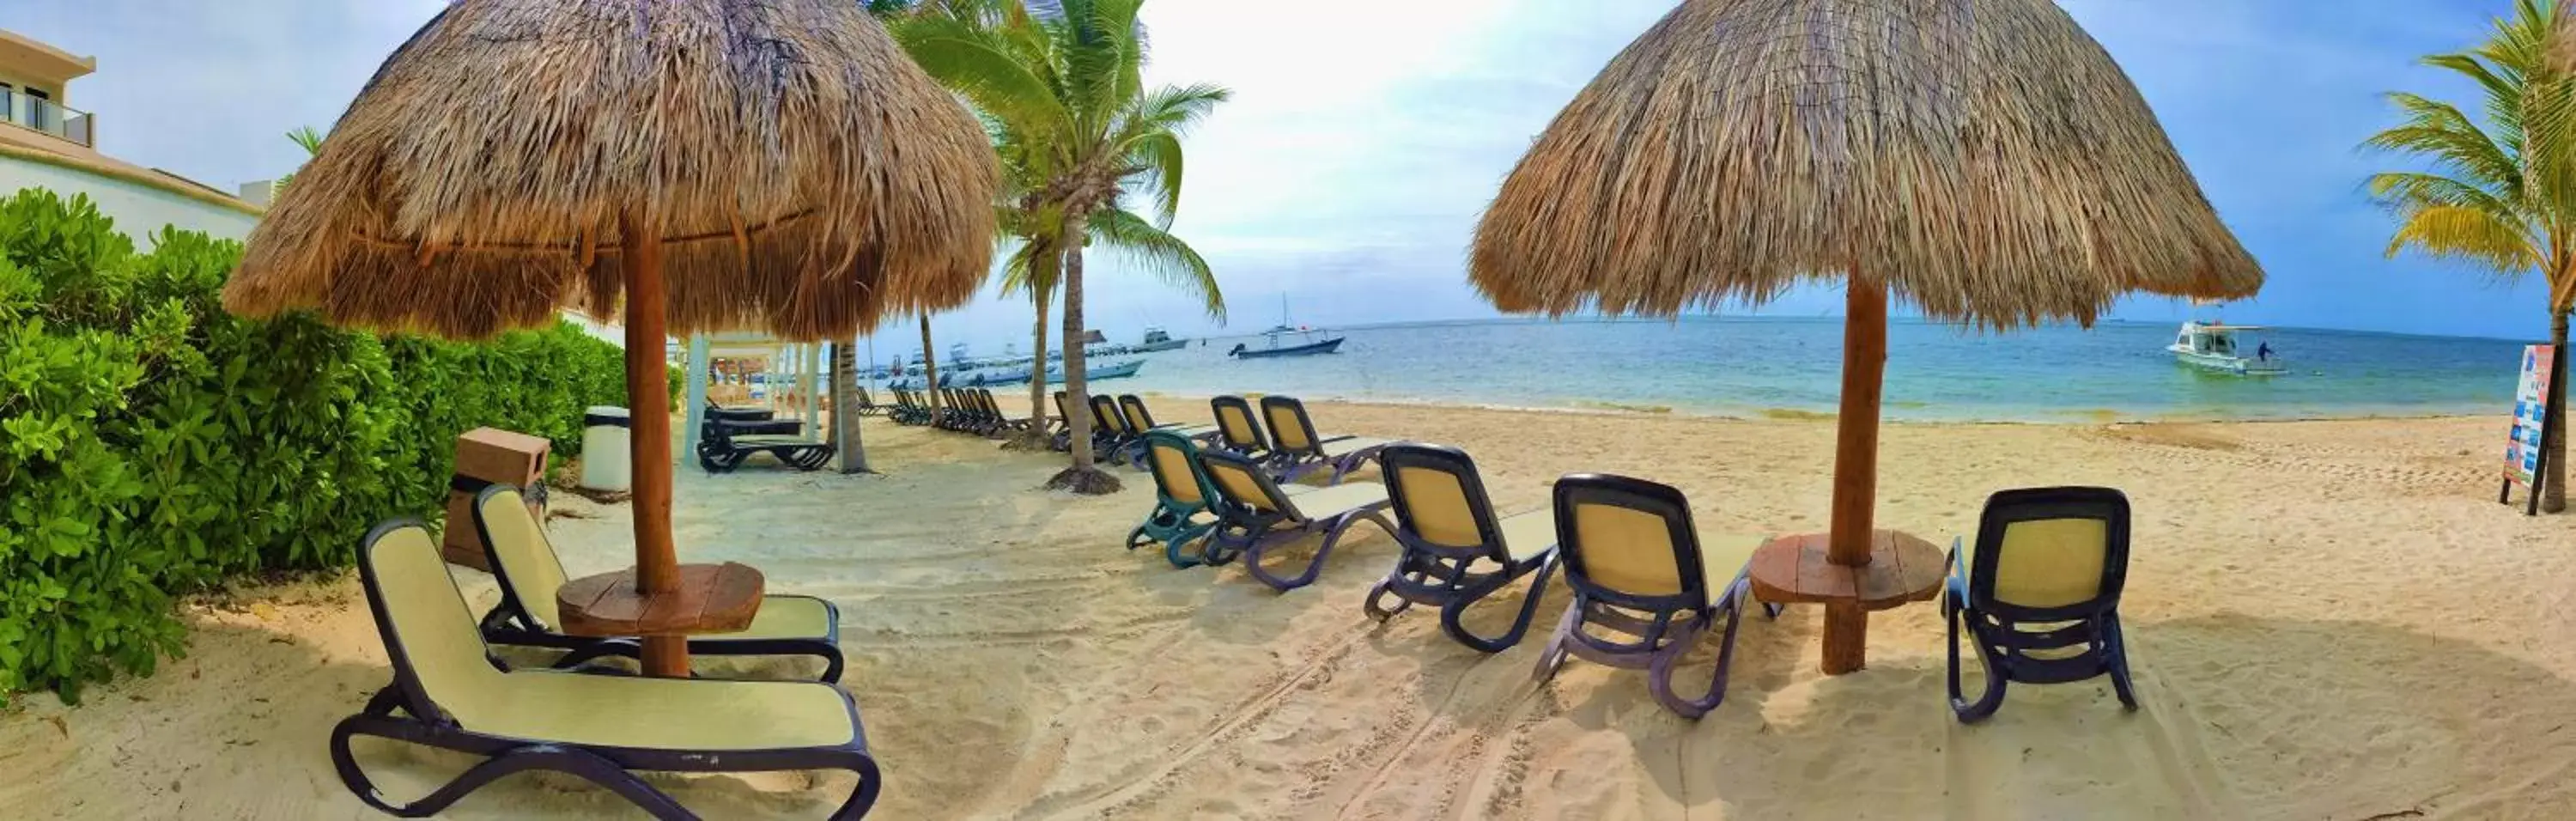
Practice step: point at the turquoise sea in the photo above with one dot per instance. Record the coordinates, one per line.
(1791, 368)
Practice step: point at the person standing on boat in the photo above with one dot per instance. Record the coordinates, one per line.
(2263, 352)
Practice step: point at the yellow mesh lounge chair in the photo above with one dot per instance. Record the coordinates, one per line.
(2039, 593)
(449, 692)
(530, 573)
(1295, 448)
(1237, 429)
(1255, 516)
(1455, 552)
(1645, 589)
(1181, 514)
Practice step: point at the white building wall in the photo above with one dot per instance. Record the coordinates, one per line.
(139, 210)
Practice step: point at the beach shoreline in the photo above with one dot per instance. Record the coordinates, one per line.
(2328, 618)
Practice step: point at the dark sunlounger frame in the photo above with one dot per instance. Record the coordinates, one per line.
(1667, 626)
(1440, 575)
(402, 711)
(1171, 521)
(1996, 627)
(1250, 533)
(1290, 464)
(719, 453)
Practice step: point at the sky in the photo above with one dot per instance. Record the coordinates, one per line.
(1365, 136)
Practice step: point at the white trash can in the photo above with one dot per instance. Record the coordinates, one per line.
(607, 455)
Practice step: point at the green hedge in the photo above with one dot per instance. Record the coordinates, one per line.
(151, 444)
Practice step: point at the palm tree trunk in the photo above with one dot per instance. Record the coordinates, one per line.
(1035, 438)
(930, 374)
(845, 403)
(1080, 477)
(2553, 496)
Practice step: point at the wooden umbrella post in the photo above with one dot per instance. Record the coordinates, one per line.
(1856, 465)
(648, 391)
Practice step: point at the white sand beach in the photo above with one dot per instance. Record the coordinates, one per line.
(2329, 620)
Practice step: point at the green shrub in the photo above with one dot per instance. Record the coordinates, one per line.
(151, 444)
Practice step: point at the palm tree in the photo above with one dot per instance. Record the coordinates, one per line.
(1062, 86)
(2500, 196)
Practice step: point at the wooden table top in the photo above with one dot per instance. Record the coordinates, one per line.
(712, 598)
(1902, 569)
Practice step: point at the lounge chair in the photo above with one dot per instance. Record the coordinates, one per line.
(721, 450)
(1642, 579)
(1255, 516)
(1237, 429)
(1110, 439)
(1295, 448)
(530, 573)
(909, 409)
(449, 692)
(1182, 497)
(1063, 438)
(752, 421)
(1456, 553)
(2039, 592)
(1141, 418)
(865, 405)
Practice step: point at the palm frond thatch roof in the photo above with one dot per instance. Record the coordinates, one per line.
(806, 176)
(1984, 159)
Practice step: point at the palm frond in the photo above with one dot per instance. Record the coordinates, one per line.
(1159, 253)
(2470, 235)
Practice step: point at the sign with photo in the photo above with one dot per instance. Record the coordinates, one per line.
(2530, 411)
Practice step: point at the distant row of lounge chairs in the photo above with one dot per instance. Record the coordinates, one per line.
(2037, 592)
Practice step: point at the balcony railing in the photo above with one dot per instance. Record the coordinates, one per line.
(40, 114)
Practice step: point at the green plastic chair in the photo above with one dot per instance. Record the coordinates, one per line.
(1181, 497)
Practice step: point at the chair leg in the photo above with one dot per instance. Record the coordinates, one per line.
(1378, 593)
(1985, 705)
(2115, 645)
(1552, 656)
(1172, 547)
(1314, 566)
(1659, 670)
(1451, 612)
(573, 761)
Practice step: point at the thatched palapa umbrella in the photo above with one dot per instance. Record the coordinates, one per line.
(1984, 160)
(769, 165)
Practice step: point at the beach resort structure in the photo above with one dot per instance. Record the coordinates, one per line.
(47, 143)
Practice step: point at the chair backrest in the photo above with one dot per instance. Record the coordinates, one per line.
(1439, 500)
(1236, 426)
(1174, 461)
(1629, 542)
(529, 571)
(440, 661)
(2050, 554)
(1238, 481)
(1138, 418)
(1104, 414)
(1290, 430)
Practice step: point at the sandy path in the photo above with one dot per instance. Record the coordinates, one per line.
(2329, 620)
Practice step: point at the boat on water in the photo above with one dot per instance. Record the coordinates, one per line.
(1095, 373)
(1156, 339)
(1307, 344)
(2222, 348)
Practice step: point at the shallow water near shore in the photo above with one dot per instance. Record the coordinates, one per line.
(1790, 369)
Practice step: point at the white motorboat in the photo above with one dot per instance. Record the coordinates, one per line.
(2224, 348)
